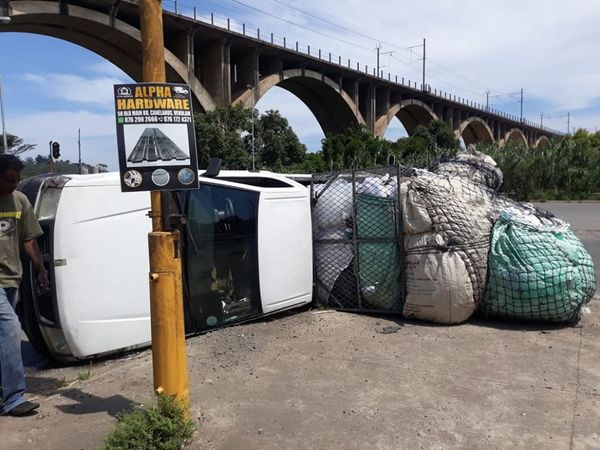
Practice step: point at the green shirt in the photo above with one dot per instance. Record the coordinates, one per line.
(17, 224)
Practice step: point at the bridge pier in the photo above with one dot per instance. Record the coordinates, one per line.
(367, 104)
(213, 69)
(246, 73)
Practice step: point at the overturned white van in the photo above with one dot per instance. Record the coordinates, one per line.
(247, 252)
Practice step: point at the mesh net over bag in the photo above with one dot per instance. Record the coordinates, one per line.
(447, 224)
(357, 239)
(538, 269)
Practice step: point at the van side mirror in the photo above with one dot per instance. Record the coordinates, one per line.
(214, 168)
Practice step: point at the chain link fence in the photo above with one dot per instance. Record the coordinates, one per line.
(358, 239)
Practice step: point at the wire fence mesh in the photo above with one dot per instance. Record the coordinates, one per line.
(358, 239)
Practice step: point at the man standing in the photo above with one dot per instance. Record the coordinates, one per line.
(18, 225)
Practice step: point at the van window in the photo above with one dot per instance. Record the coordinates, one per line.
(221, 256)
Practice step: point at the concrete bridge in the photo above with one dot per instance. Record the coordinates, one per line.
(224, 67)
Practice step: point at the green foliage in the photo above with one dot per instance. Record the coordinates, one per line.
(218, 134)
(275, 143)
(359, 148)
(15, 145)
(162, 428)
(355, 149)
(39, 165)
(85, 375)
(568, 169)
(313, 163)
(428, 143)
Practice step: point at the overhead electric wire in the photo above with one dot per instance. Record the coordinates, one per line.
(297, 25)
(361, 47)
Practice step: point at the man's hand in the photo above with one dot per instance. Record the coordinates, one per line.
(33, 251)
(42, 279)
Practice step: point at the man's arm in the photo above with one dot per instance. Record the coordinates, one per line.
(33, 251)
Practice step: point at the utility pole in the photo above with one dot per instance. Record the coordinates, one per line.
(380, 53)
(378, 48)
(521, 104)
(424, 64)
(487, 99)
(50, 159)
(542, 120)
(568, 122)
(169, 361)
(4, 138)
(79, 147)
(252, 122)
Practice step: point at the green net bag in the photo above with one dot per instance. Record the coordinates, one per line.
(537, 272)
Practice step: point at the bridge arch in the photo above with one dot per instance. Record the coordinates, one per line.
(333, 108)
(410, 113)
(542, 142)
(114, 40)
(475, 130)
(515, 135)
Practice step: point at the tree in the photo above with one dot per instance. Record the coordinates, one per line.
(355, 149)
(276, 144)
(427, 143)
(15, 145)
(568, 169)
(313, 163)
(218, 134)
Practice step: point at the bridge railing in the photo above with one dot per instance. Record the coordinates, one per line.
(234, 26)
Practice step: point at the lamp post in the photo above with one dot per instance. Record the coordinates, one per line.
(252, 111)
(3, 19)
(4, 138)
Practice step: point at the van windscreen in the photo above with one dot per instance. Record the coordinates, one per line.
(221, 256)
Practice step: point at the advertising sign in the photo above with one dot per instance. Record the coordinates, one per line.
(155, 137)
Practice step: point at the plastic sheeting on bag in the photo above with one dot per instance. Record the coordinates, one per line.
(382, 186)
(537, 272)
(333, 204)
(378, 262)
(473, 166)
(460, 213)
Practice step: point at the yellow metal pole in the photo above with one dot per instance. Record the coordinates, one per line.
(169, 359)
(166, 310)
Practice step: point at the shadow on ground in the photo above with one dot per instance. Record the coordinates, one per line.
(83, 402)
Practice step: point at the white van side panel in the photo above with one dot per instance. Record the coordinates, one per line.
(99, 223)
(284, 250)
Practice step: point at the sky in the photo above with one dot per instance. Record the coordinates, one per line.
(482, 51)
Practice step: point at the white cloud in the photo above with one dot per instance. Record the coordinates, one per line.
(76, 88)
(99, 144)
(548, 48)
(107, 68)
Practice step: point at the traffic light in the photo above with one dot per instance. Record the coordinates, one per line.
(55, 150)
